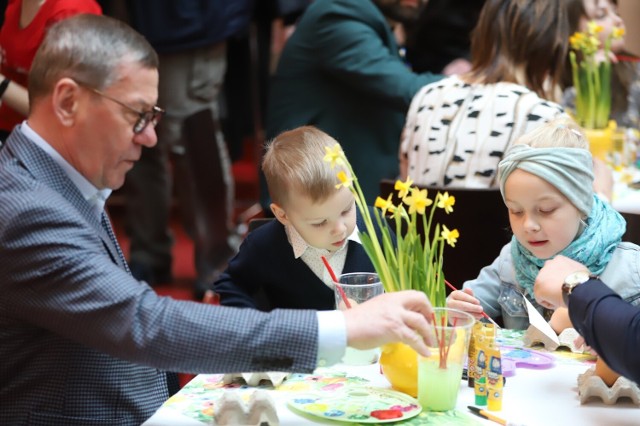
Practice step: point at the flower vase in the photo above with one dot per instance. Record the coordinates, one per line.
(601, 141)
(399, 364)
(440, 374)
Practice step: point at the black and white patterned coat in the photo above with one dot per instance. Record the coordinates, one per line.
(456, 133)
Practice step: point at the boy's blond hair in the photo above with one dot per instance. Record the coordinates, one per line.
(294, 160)
(561, 132)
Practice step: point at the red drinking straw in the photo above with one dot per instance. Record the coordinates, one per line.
(484, 314)
(335, 280)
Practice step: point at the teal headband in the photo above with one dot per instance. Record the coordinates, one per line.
(569, 170)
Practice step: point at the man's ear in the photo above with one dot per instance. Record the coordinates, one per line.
(65, 101)
(279, 213)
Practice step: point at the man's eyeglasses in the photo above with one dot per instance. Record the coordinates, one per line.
(145, 117)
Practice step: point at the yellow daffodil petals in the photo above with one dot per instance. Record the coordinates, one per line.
(417, 201)
(403, 187)
(345, 180)
(594, 28)
(617, 32)
(334, 155)
(385, 205)
(577, 40)
(450, 236)
(446, 202)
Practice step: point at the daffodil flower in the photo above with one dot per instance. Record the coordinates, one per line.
(417, 201)
(403, 187)
(594, 28)
(345, 180)
(446, 202)
(385, 205)
(334, 155)
(451, 237)
(617, 32)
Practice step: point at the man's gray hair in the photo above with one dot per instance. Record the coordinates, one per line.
(89, 49)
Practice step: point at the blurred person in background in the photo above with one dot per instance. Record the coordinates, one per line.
(457, 129)
(24, 26)
(341, 71)
(190, 38)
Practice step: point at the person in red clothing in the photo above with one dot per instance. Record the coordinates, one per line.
(25, 23)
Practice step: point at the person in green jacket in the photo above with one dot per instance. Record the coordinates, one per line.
(341, 71)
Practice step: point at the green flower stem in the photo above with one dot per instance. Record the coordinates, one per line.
(415, 260)
(382, 267)
(592, 79)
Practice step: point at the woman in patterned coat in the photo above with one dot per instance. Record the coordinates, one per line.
(458, 129)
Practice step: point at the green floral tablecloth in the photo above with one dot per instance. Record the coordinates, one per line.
(197, 399)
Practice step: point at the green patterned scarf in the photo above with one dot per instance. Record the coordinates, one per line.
(593, 247)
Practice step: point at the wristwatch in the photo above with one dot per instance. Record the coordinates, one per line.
(572, 281)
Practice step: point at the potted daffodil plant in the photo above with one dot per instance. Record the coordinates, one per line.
(413, 260)
(591, 75)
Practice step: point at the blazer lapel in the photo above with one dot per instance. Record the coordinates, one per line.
(45, 170)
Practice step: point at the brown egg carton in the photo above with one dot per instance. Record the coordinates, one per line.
(592, 386)
(260, 410)
(275, 378)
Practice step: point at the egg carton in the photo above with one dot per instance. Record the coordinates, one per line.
(590, 385)
(253, 379)
(232, 410)
(566, 338)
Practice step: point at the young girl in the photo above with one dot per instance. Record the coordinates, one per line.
(546, 181)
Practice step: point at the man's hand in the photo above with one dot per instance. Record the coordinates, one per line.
(402, 316)
(548, 286)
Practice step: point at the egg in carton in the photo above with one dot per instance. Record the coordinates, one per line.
(592, 386)
(253, 379)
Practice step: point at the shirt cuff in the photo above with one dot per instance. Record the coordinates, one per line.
(332, 337)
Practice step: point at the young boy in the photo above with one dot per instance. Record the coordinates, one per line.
(279, 265)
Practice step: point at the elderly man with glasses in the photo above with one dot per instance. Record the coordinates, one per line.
(82, 342)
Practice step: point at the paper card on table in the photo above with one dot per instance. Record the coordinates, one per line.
(539, 329)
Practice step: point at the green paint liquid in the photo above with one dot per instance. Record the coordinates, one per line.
(438, 387)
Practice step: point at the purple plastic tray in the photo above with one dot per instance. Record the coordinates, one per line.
(513, 357)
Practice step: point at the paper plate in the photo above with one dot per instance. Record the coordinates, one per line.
(358, 404)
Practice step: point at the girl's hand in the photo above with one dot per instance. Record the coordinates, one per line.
(464, 301)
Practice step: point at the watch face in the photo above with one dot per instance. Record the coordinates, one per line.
(576, 278)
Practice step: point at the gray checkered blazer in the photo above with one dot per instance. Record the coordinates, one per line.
(81, 341)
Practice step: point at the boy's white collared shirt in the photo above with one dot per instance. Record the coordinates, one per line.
(312, 256)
